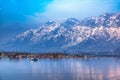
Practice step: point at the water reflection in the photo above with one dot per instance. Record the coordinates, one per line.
(60, 69)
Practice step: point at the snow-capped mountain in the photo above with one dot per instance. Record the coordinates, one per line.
(106, 20)
(96, 34)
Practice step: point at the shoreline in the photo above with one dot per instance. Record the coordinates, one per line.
(21, 55)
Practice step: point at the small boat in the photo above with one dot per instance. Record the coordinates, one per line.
(34, 59)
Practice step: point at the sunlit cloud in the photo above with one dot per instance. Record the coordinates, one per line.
(62, 9)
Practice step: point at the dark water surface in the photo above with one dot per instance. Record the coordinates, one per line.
(60, 69)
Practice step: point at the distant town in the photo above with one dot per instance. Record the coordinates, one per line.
(36, 56)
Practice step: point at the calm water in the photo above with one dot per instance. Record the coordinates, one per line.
(60, 69)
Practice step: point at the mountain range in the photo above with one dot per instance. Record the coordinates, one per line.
(95, 34)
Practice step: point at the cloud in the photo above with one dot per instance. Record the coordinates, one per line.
(37, 18)
(62, 9)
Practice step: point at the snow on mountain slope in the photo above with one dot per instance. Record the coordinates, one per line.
(92, 34)
(101, 39)
(106, 20)
(70, 36)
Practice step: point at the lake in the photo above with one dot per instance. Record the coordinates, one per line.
(60, 69)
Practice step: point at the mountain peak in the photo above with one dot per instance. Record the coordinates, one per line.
(94, 34)
(50, 22)
(70, 22)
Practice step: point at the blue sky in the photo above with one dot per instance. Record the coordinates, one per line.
(20, 10)
(15, 14)
(15, 10)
